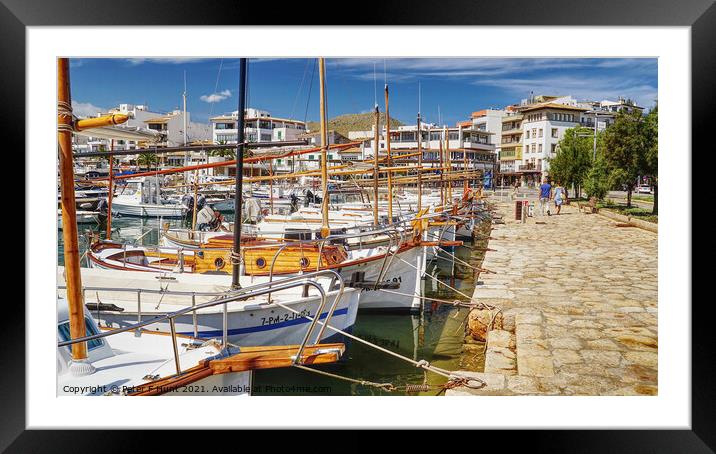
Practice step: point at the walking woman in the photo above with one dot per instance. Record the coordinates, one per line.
(560, 196)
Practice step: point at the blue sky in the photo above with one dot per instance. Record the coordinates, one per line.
(455, 87)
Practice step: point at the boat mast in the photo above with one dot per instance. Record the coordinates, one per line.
(236, 259)
(325, 229)
(442, 173)
(389, 157)
(420, 157)
(69, 213)
(464, 161)
(110, 194)
(448, 159)
(375, 165)
(187, 154)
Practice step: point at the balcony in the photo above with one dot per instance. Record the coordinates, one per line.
(530, 167)
(510, 154)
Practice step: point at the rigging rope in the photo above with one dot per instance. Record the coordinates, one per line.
(310, 90)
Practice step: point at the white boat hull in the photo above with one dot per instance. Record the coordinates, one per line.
(256, 324)
(398, 272)
(148, 211)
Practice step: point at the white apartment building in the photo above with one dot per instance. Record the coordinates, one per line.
(543, 126)
(477, 144)
(510, 146)
(260, 127)
(170, 125)
(489, 120)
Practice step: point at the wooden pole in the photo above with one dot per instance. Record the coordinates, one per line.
(389, 156)
(110, 194)
(325, 228)
(69, 213)
(375, 165)
(96, 122)
(271, 186)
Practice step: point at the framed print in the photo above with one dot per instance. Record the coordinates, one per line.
(411, 221)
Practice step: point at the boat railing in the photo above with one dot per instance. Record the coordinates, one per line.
(231, 296)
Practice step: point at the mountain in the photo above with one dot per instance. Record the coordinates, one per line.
(353, 122)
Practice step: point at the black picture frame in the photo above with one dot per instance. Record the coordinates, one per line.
(16, 15)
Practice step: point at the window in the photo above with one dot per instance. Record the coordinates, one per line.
(554, 132)
(225, 126)
(265, 137)
(554, 148)
(540, 148)
(534, 132)
(540, 132)
(527, 134)
(91, 330)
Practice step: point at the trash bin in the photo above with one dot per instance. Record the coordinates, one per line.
(518, 210)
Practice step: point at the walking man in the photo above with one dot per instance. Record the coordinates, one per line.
(545, 194)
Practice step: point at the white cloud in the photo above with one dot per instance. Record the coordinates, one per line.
(216, 97)
(596, 88)
(596, 79)
(167, 60)
(465, 67)
(86, 109)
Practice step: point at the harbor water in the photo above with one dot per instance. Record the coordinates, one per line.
(435, 335)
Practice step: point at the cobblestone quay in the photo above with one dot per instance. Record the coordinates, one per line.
(579, 295)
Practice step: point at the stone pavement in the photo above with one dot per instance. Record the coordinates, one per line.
(579, 296)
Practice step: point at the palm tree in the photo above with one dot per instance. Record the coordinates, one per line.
(147, 160)
(223, 152)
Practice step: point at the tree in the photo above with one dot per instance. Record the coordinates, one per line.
(224, 152)
(574, 158)
(147, 160)
(624, 150)
(597, 182)
(651, 155)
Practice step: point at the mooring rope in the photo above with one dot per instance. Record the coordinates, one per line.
(454, 382)
(423, 364)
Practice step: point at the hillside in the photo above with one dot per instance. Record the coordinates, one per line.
(353, 122)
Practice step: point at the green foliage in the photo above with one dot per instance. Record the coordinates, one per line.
(624, 148)
(226, 152)
(354, 122)
(147, 160)
(651, 143)
(597, 182)
(574, 157)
